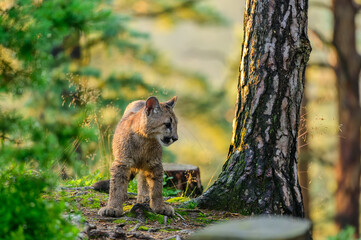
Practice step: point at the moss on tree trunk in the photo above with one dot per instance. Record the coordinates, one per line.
(260, 174)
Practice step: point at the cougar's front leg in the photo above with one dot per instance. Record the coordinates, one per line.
(120, 173)
(143, 188)
(155, 181)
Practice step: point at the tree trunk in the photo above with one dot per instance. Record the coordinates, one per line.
(347, 73)
(184, 177)
(260, 174)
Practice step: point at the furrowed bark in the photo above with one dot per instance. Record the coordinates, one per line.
(260, 174)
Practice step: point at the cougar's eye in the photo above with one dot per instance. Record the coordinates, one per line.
(167, 124)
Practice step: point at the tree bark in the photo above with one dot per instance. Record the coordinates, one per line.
(260, 174)
(347, 72)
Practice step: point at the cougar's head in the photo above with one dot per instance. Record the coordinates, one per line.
(161, 120)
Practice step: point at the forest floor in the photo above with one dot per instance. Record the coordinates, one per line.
(138, 221)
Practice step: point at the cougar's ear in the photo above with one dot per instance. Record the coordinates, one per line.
(172, 102)
(151, 105)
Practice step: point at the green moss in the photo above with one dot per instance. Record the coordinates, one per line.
(143, 228)
(131, 214)
(91, 200)
(178, 200)
(182, 212)
(204, 220)
(202, 214)
(127, 208)
(189, 205)
(156, 217)
(120, 221)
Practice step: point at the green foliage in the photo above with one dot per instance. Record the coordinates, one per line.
(156, 217)
(132, 187)
(169, 191)
(92, 200)
(190, 205)
(53, 100)
(345, 234)
(84, 181)
(25, 214)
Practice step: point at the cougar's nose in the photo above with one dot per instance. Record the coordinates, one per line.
(166, 140)
(174, 139)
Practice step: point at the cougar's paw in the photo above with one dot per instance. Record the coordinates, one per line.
(165, 210)
(110, 212)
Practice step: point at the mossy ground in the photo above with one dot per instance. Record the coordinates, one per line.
(187, 220)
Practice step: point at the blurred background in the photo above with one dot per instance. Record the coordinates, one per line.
(70, 67)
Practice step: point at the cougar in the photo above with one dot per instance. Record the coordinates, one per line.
(145, 127)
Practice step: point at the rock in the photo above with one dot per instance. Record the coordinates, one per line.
(94, 233)
(101, 186)
(257, 228)
(139, 209)
(118, 234)
(89, 227)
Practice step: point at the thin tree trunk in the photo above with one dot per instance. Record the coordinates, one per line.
(260, 174)
(347, 73)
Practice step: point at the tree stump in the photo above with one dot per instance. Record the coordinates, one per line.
(257, 228)
(184, 177)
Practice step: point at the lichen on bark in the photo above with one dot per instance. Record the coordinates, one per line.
(260, 174)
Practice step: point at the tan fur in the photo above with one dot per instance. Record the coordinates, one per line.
(137, 147)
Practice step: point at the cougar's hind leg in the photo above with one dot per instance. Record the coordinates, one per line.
(143, 188)
(154, 179)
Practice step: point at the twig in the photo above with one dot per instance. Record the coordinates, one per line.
(176, 237)
(180, 216)
(140, 236)
(136, 227)
(165, 218)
